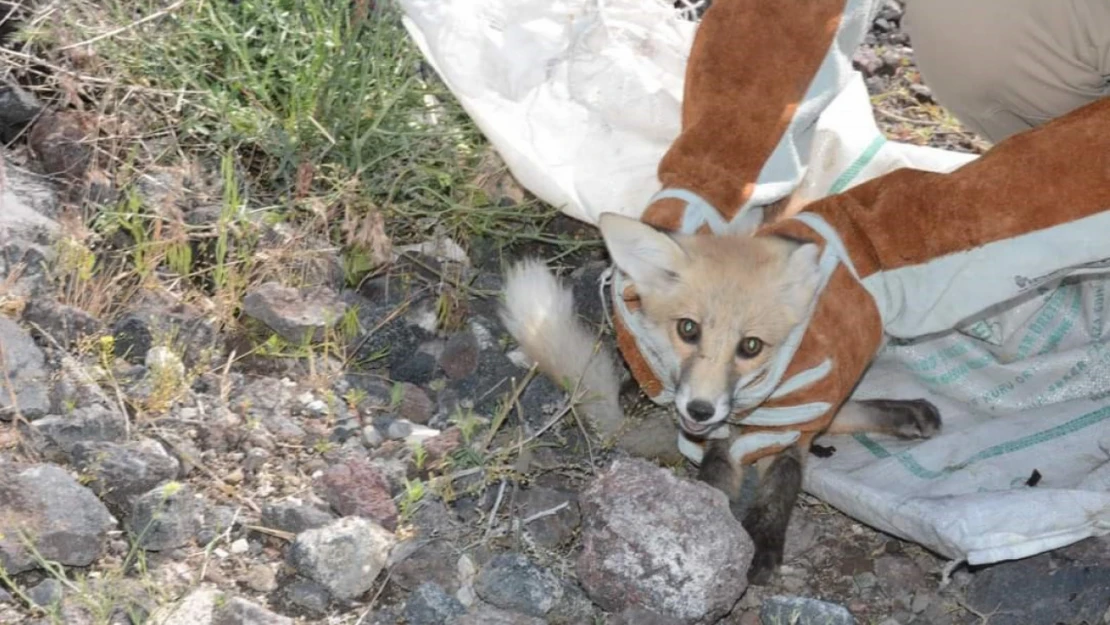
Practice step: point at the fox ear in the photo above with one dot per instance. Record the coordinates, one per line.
(650, 257)
(801, 275)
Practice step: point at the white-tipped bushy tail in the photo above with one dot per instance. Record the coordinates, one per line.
(539, 312)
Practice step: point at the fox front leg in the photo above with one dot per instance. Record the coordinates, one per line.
(766, 520)
(767, 515)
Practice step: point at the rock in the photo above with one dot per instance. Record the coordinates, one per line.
(398, 430)
(216, 522)
(46, 593)
(237, 611)
(64, 520)
(17, 108)
(66, 324)
(551, 530)
(651, 438)
(460, 355)
(344, 556)
(255, 459)
(638, 616)
(294, 516)
(24, 366)
(193, 336)
(371, 437)
(209, 606)
(194, 609)
(429, 604)
(512, 582)
(867, 62)
(665, 544)
(63, 143)
(260, 578)
(895, 573)
(27, 231)
(415, 405)
(891, 11)
(92, 423)
(575, 607)
(865, 580)
(780, 609)
(346, 430)
(923, 93)
(485, 614)
(164, 517)
(418, 561)
(356, 488)
(297, 315)
(488, 383)
(1046, 588)
(120, 473)
(268, 401)
(921, 601)
(239, 546)
(418, 368)
(443, 445)
(133, 338)
(308, 595)
(893, 60)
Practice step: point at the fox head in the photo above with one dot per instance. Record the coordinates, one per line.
(726, 302)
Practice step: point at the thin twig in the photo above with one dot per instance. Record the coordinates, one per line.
(907, 120)
(499, 418)
(496, 506)
(545, 513)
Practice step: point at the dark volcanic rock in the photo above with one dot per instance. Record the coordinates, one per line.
(64, 520)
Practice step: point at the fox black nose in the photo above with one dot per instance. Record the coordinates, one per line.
(700, 410)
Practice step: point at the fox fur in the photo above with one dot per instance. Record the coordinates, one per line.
(539, 313)
(734, 288)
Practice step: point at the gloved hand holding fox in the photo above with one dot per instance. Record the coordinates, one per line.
(756, 314)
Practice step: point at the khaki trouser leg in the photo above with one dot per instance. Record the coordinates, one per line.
(1004, 66)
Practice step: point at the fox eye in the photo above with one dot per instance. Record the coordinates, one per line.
(688, 330)
(749, 347)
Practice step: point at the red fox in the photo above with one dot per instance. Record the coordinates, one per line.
(726, 302)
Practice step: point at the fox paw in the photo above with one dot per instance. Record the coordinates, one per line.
(908, 418)
(764, 565)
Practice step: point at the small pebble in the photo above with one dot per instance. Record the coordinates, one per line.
(240, 546)
(261, 578)
(371, 437)
(399, 429)
(255, 459)
(46, 593)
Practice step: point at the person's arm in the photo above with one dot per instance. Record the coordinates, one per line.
(758, 77)
(912, 252)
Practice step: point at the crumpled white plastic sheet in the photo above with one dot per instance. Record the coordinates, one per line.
(582, 98)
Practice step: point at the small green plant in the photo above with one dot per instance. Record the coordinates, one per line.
(411, 497)
(354, 398)
(419, 455)
(396, 395)
(349, 327)
(467, 422)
